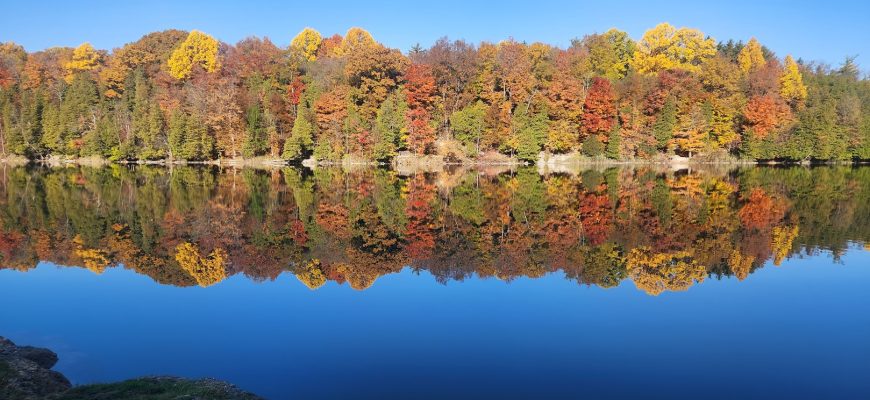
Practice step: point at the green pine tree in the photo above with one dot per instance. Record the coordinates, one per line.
(665, 124)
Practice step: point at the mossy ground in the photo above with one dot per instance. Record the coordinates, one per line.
(156, 389)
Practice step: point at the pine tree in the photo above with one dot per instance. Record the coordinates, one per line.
(301, 137)
(256, 141)
(663, 128)
(177, 137)
(390, 128)
(614, 141)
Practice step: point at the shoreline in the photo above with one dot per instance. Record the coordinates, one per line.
(428, 163)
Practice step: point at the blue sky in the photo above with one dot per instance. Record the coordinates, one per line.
(826, 31)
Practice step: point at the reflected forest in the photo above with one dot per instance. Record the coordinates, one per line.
(662, 230)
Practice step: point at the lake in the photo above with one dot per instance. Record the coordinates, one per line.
(293, 283)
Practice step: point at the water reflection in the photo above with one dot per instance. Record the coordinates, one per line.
(661, 230)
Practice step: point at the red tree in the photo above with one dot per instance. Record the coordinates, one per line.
(765, 113)
(420, 93)
(599, 110)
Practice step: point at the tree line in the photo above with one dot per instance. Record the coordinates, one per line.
(187, 96)
(196, 226)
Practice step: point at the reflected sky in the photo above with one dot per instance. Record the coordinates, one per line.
(798, 330)
(291, 283)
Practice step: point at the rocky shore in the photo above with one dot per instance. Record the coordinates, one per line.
(26, 374)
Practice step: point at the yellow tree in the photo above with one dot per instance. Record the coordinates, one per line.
(751, 58)
(311, 275)
(655, 273)
(198, 49)
(356, 39)
(307, 43)
(791, 83)
(84, 58)
(781, 241)
(205, 270)
(666, 47)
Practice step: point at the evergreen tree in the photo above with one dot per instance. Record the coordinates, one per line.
(177, 137)
(666, 122)
(390, 126)
(301, 137)
(256, 141)
(614, 141)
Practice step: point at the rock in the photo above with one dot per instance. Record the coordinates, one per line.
(45, 358)
(25, 373)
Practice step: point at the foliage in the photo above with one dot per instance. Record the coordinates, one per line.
(185, 95)
(666, 47)
(197, 50)
(306, 43)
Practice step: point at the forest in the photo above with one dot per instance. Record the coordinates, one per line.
(177, 95)
(661, 230)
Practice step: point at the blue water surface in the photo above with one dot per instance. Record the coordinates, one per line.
(800, 330)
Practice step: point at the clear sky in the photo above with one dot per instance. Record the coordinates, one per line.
(813, 30)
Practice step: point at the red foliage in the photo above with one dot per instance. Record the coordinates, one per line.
(420, 231)
(5, 78)
(420, 94)
(298, 233)
(596, 217)
(600, 108)
(328, 46)
(762, 211)
(294, 91)
(764, 113)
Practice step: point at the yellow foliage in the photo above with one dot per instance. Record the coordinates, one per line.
(723, 122)
(356, 39)
(311, 275)
(656, 272)
(781, 242)
(751, 57)
(198, 49)
(741, 265)
(95, 260)
(306, 43)
(665, 47)
(84, 58)
(205, 270)
(791, 82)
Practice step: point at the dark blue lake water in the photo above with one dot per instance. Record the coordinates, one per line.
(509, 286)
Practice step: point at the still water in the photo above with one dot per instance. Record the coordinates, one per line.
(612, 283)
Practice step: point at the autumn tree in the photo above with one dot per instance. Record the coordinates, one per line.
(357, 39)
(792, 87)
(307, 43)
(84, 58)
(666, 47)
(198, 49)
(751, 57)
(420, 95)
(374, 71)
(610, 53)
(599, 109)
